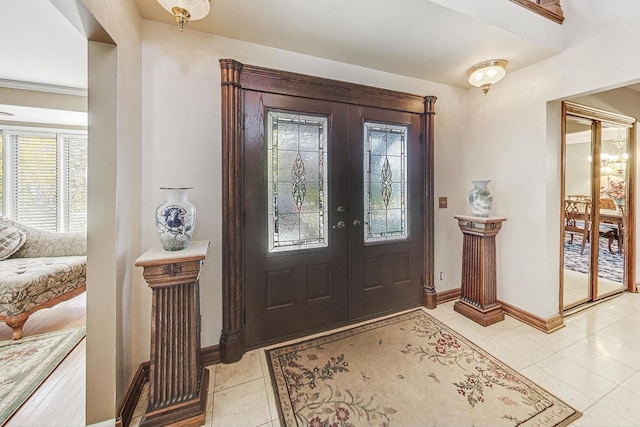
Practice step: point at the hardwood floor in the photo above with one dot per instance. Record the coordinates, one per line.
(60, 400)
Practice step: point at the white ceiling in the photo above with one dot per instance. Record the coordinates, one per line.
(435, 40)
(40, 45)
(45, 52)
(416, 38)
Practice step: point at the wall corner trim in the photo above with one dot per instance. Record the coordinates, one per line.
(548, 325)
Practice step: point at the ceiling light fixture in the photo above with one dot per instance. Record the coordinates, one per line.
(186, 10)
(487, 73)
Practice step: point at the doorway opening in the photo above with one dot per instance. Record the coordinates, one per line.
(597, 233)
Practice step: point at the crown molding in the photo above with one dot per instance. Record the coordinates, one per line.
(42, 87)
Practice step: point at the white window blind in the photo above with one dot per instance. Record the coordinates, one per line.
(35, 183)
(46, 179)
(75, 155)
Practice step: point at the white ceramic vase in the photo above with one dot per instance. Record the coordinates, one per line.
(175, 219)
(480, 198)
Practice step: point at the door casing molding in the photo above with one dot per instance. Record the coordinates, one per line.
(236, 78)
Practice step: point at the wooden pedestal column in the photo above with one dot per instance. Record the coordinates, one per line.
(178, 381)
(478, 295)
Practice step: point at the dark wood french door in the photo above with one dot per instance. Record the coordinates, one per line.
(333, 202)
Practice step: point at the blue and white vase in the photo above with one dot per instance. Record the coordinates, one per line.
(480, 198)
(175, 219)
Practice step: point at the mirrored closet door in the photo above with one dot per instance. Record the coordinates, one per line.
(596, 205)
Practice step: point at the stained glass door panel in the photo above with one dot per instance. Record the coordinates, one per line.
(385, 182)
(297, 181)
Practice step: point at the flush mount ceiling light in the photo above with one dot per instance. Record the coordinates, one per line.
(487, 73)
(186, 10)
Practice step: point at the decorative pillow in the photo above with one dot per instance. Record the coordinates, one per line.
(11, 239)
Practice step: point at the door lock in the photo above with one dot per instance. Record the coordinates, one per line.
(339, 226)
(341, 209)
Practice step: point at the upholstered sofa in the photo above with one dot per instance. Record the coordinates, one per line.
(38, 269)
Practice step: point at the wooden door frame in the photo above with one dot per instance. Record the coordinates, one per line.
(236, 78)
(601, 116)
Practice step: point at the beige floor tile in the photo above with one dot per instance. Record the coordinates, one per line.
(443, 312)
(580, 378)
(591, 322)
(469, 329)
(612, 309)
(505, 355)
(612, 350)
(212, 378)
(624, 403)
(562, 390)
(621, 335)
(271, 398)
(510, 323)
(208, 421)
(630, 324)
(631, 301)
(242, 405)
(598, 363)
(600, 416)
(523, 346)
(572, 332)
(249, 368)
(632, 383)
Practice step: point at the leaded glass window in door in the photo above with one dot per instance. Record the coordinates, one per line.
(385, 182)
(297, 181)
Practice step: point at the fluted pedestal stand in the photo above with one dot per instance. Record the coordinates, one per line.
(178, 381)
(478, 295)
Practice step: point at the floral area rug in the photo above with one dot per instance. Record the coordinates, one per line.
(406, 370)
(26, 363)
(610, 265)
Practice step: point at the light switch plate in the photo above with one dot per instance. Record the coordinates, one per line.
(442, 202)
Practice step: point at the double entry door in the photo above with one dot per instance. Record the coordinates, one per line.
(333, 214)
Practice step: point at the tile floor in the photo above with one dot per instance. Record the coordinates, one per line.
(593, 364)
(576, 286)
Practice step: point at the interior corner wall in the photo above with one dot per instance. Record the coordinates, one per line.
(182, 142)
(102, 292)
(114, 200)
(514, 139)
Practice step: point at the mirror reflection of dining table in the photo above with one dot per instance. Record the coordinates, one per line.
(614, 217)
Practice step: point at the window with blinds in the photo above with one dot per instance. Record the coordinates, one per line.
(45, 179)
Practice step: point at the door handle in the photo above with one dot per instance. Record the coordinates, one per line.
(356, 222)
(339, 226)
(341, 209)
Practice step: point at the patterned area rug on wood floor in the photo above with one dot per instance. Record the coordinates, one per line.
(26, 363)
(406, 370)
